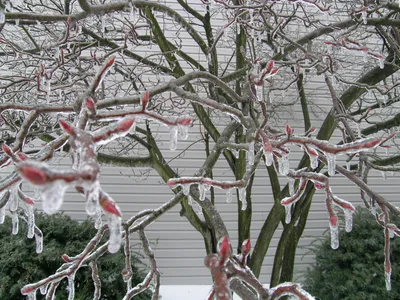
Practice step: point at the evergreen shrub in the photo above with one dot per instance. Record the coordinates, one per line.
(356, 269)
(20, 264)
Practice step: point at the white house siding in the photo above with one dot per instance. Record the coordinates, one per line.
(179, 249)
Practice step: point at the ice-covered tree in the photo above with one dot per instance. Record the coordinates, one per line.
(79, 75)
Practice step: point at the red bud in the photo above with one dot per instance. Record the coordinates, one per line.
(27, 290)
(109, 206)
(66, 258)
(224, 248)
(22, 156)
(125, 124)
(270, 66)
(67, 127)
(185, 121)
(333, 220)
(7, 150)
(33, 175)
(246, 247)
(90, 103)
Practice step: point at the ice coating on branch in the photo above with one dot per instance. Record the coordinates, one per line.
(331, 158)
(259, 92)
(229, 195)
(39, 242)
(52, 195)
(173, 138)
(31, 222)
(334, 230)
(114, 226)
(381, 62)
(288, 213)
(15, 223)
(92, 199)
(250, 154)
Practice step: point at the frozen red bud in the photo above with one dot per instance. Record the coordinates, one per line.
(28, 200)
(274, 71)
(185, 121)
(318, 186)
(109, 206)
(22, 156)
(27, 290)
(372, 144)
(145, 99)
(110, 62)
(347, 206)
(33, 175)
(67, 127)
(388, 268)
(66, 258)
(333, 220)
(125, 124)
(90, 103)
(224, 248)
(289, 130)
(270, 66)
(246, 247)
(7, 150)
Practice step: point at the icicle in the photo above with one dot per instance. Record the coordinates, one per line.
(250, 154)
(92, 199)
(202, 192)
(260, 92)
(32, 295)
(2, 214)
(115, 240)
(383, 175)
(387, 151)
(288, 213)
(388, 281)
(31, 222)
(269, 158)
(283, 164)
(364, 16)
(190, 200)
(291, 185)
(381, 62)
(15, 223)
(348, 219)
(39, 242)
(43, 289)
(2, 15)
(242, 197)
(391, 233)
(17, 22)
(173, 138)
(235, 153)
(348, 165)
(52, 195)
(103, 24)
(313, 161)
(229, 195)
(98, 222)
(183, 132)
(186, 189)
(14, 201)
(334, 236)
(331, 163)
(71, 287)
